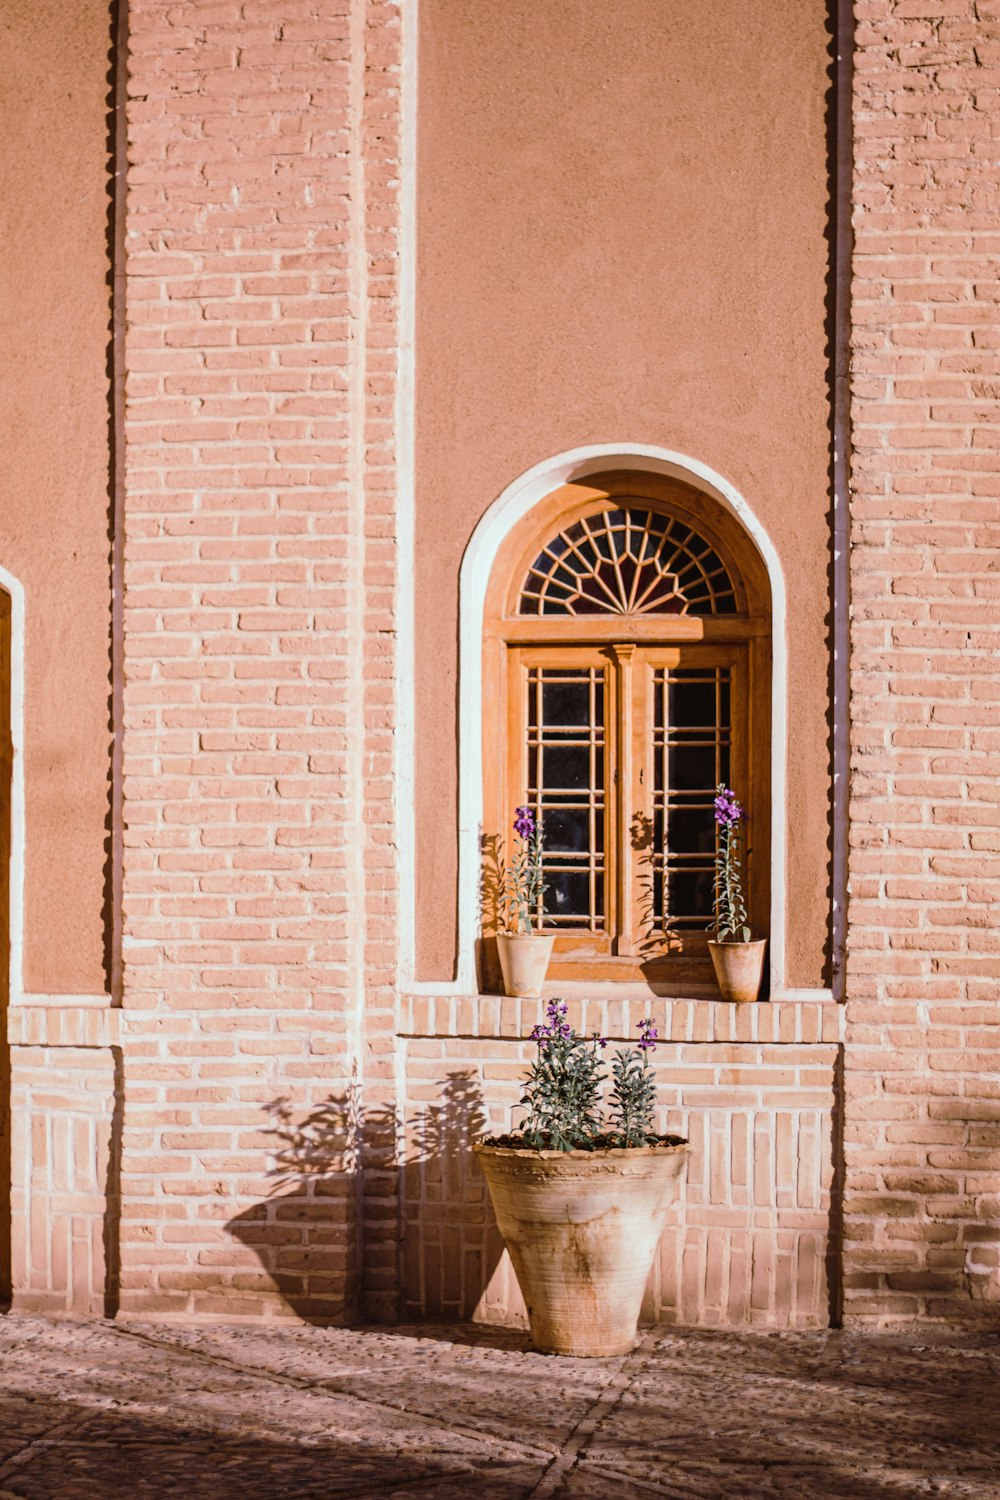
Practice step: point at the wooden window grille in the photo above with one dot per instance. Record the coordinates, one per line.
(627, 560)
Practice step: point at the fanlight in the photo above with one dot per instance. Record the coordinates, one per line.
(628, 560)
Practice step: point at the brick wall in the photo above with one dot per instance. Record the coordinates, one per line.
(65, 1093)
(922, 1215)
(259, 574)
(755, 1227)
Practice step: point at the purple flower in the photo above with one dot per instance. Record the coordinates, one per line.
(649, 1036)
(524, 822)
(728, 811)
(600, 1041)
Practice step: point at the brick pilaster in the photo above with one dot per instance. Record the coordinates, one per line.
(922, 1219)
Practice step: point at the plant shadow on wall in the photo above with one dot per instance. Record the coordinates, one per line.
(491, 890)
(452, 1247)
(305, 1233)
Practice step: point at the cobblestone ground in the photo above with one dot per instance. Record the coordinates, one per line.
(107, 1411)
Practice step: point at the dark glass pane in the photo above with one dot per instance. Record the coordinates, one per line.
(568, 894)
(691, 830)
(602, 545)
(591, 606)
(724, 764)
(566, 830)
(627, 567)
(594, 599)
(598, 831)
(610, 579)
(689, 893)
(661, 597)
(567, 766)
(566, 703)
(691, 767)
(532, 768)
(692, 702)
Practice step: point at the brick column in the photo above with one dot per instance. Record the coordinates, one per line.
(922, 1215)
(258, 643)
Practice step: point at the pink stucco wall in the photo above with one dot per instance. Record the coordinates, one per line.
(622, 219)
(54, 480)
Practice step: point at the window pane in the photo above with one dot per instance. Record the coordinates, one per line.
(566, 765)
(566, 786)
(566, 830)
(566, 703)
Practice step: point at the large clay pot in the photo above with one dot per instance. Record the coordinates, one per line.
(738, 968)
(582, 1228)
(524, 960)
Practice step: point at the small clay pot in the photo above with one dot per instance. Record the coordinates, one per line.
(739, 968)
(524, 960)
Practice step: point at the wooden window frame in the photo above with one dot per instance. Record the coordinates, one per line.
(628, 647)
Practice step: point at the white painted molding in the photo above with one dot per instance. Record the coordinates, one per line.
(810, 996)
(506, 512)
(15, 589)
(62, 1002)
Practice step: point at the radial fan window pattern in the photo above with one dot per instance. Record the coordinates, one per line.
(628, 560)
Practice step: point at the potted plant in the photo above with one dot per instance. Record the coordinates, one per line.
(580, 1199)
(524, 953)
(737, 959)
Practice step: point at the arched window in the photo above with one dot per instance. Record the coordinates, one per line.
(627, 674)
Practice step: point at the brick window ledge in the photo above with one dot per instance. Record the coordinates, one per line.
(617, 1012)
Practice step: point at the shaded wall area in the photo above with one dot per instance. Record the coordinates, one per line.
(622, 218)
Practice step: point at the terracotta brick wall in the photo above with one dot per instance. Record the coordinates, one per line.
(922, 1215)
(65, 1091)
(259, 575)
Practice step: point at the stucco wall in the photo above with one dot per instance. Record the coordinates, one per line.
(621, 229)
(54, 476)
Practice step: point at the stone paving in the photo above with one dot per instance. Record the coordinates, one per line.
(110, 1410)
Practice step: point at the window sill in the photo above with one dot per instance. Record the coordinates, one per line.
(614, 1010)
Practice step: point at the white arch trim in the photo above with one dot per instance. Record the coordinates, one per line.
(510, 508)
(15, 590)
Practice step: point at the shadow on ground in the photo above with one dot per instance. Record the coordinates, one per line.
(78, 1454)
